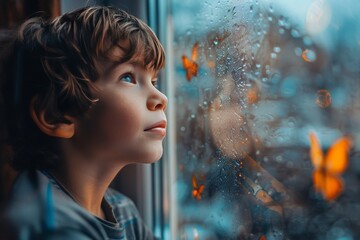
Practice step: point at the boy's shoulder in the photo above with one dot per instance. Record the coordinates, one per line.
(39, 207)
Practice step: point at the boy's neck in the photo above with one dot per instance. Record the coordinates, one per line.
(86, 180)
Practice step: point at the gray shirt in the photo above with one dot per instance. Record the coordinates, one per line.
(40, 208)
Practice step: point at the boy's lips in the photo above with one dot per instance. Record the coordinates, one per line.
(158, 128)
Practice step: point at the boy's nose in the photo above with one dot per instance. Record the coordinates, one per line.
(157, 101)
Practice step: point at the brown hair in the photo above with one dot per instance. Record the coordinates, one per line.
(57, 61)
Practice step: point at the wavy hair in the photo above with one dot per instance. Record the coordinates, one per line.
(56, 62)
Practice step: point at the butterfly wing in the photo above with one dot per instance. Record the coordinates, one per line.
(262, 237)
(326, 176)
(328, 185)
(201, 189)
(195, 191)
(190, 67)
(316, 153)
(194, 54)
(337, 158)
(194, 183)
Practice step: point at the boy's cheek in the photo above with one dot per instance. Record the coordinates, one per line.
(107, 128)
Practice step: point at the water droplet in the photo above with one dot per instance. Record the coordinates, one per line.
(275, 78)
(271, 8)
(281, 31)
(281, 21)
(323, 98)
(273, 55)
(308, 55)
(182, 128)
(295, 33)
(291, 123)
(298, 51)
(277, 49)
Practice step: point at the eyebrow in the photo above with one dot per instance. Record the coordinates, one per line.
(135, 63)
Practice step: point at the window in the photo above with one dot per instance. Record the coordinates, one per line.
(264, 118)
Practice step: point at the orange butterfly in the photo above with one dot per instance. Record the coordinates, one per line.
(190, 65)
(328, 169)
(197, 190)
(262, 237)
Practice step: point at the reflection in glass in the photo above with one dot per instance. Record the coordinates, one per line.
(267, 113)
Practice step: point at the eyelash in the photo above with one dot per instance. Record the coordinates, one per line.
(155, 83)
(132, 78)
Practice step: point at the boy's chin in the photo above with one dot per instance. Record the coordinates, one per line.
(154, 158)
(150, 157)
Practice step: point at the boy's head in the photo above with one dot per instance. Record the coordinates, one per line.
(57, 66)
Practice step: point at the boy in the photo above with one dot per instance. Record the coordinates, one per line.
(84, 91)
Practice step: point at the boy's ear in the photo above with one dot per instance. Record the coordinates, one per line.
(64, 129)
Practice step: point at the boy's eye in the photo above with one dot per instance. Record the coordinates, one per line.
(127, 78)
(155, 83)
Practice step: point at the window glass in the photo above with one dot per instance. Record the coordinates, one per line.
(267, 118)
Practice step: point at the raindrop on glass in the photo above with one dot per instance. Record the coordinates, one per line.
(275, 78)
(308, 55)
(323, 98)
(291, 123)
(277, 49)
(271, 8)
(295, 33)
(298, 51)
(264, 79)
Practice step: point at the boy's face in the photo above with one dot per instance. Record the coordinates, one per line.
(128, 122)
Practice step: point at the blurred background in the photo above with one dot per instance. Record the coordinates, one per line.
(263, 115)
